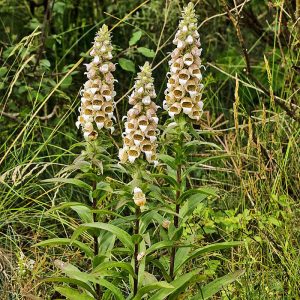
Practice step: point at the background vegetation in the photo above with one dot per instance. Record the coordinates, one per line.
(251, 54)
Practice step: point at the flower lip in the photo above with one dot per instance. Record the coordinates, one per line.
(183, 76)
(146, 100)
(138, 137)
(137, 190)
(175, 109)
(178, 92)
(188, 59)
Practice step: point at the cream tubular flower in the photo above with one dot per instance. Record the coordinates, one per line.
(184, 88)
(97, 96)
(139, 197)
(140, 133)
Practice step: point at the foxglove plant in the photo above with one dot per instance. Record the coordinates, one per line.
(183, 97)
(184, 88)
(97, 106)
(113, 245)
(140, 137)
(97, 96)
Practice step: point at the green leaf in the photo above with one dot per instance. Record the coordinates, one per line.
(167, 159)
(67, 205)
(168, 179)
(177, 284)
(66, 83)
(136, 36)
(122, 235)
(200, 143)
(180, 256)
(127, 65)
(146, 52)
(72, 294)
(111, 287)
(152, 287)
(187, 194)
(83, 212)
(3, 71)
(114, 264)
(176, 235)
(71, 271)
(162, 269)
(69, 280)
(136, 238)
(74, 181)
(159, 246)
(65, 241)
(148, 218)
(215, 286)
(45, 63)
(206, 249)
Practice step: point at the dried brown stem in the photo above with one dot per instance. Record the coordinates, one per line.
(15, 116)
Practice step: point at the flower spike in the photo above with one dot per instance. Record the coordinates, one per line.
(184, 90)
(97, 96)
(141, 122)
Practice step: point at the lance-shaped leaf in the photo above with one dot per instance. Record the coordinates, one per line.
(122, 235)
(200, 191)
(206, 249)
(114, 264)
(159, 246)
(215, 286)
(73, 294)
(152, 287)
(65, 241)
(177, 284)
(71, 281)
(110, 286)
(73, 181)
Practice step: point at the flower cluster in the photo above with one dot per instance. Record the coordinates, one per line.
(141, 121)
(183, 93)
(97, 96)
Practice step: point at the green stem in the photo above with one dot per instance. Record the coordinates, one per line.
(176, 221)
(96, 243)
(136, 251)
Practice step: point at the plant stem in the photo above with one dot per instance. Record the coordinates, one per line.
(176, 221)
(136, 251)
(96, 244)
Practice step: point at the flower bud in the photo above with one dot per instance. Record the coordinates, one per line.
(165, 224)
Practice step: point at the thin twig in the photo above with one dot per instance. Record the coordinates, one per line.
(15, 116)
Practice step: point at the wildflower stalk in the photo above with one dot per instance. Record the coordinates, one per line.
(136, 251)
(95, 237)
(183, 94)
(97, 107)
(139, 141)
(176, 219)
